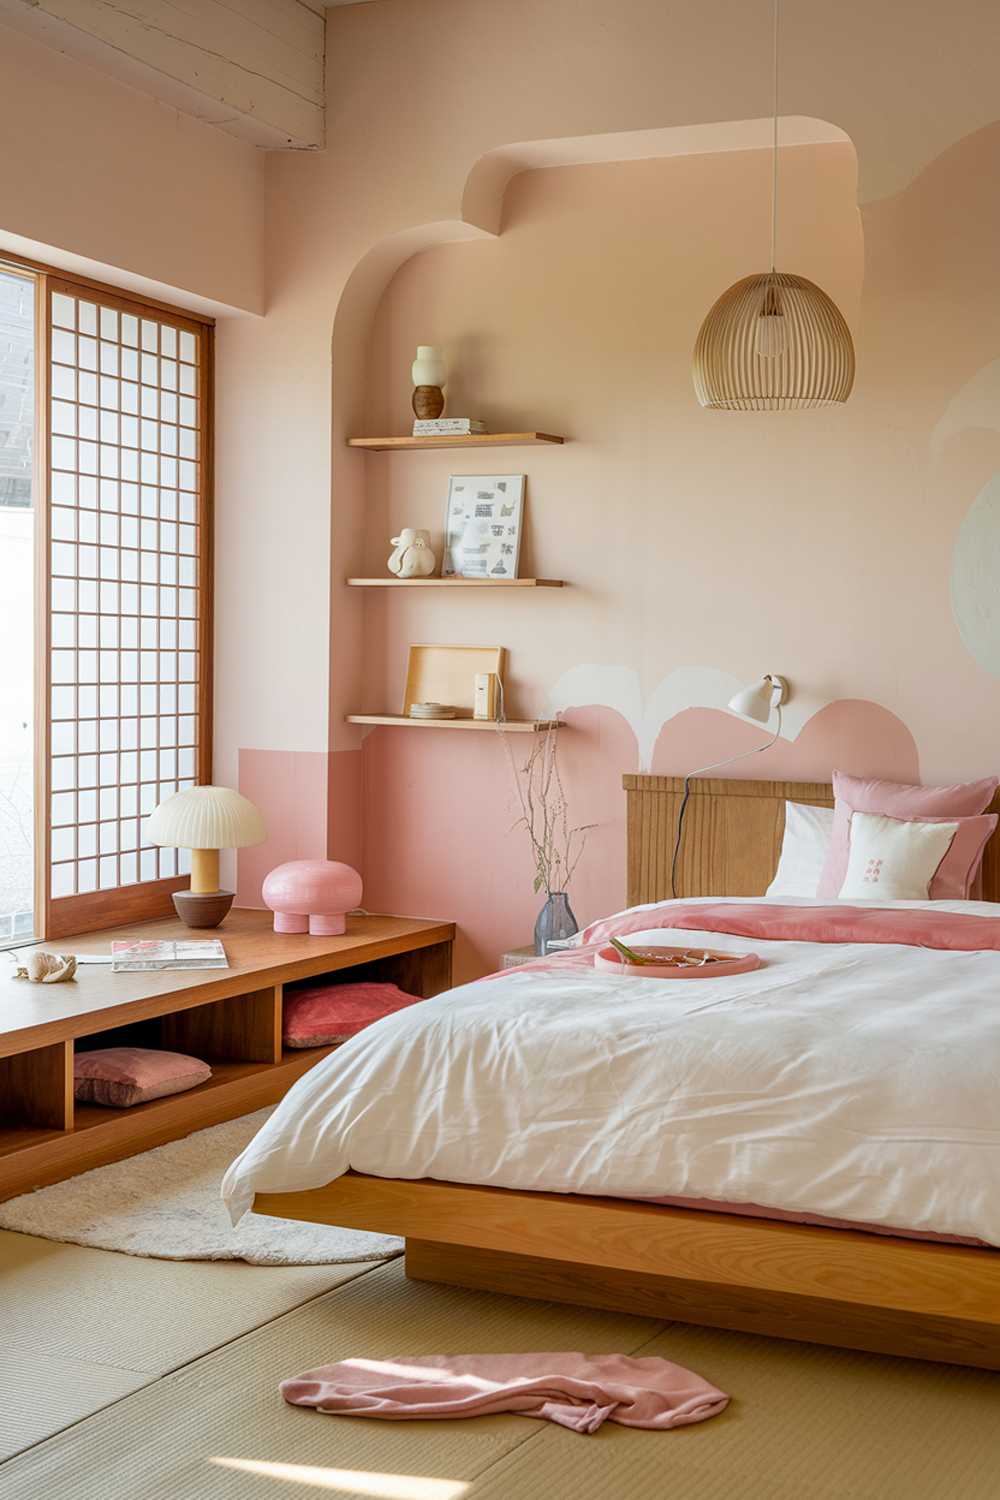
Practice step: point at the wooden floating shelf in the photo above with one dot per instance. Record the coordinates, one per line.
(403, 721)
(469, 440)
(456, 583)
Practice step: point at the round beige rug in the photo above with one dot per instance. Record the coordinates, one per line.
(165, 1204)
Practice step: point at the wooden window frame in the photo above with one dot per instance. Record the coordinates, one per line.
(61, 916)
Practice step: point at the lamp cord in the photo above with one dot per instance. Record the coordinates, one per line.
(774, 139)
(715, 766)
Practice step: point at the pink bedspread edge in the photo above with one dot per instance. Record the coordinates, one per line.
(912, 927)
(783, 1216)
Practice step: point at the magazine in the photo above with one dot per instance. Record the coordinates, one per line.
(130, 958)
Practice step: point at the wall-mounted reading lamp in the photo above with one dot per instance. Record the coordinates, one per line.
(756, 701)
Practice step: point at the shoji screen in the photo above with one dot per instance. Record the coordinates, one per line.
(128, 597)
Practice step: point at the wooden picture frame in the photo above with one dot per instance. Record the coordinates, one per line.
(494, 504)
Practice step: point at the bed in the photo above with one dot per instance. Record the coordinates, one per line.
(434, 1113)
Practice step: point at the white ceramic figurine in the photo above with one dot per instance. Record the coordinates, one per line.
(413, 557)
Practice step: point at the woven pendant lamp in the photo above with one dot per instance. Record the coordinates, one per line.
(773, 341)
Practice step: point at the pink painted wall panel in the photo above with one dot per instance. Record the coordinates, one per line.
(290, 788)
(860, 738)
(440, 841)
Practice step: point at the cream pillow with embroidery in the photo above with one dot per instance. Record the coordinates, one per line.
(891, 859)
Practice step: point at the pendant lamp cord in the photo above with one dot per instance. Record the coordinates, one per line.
(774, 139)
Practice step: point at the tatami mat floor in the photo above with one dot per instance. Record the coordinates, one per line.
(80, 1328)
(169, 1373)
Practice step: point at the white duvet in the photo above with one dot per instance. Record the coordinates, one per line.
(853, 1081)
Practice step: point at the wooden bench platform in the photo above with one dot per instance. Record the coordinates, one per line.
(230, 1017)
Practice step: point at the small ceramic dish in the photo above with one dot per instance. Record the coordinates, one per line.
(667, 964)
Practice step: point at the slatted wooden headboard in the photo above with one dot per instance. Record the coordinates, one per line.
(732, 835)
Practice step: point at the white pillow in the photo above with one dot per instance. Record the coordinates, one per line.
(803, 850)
(891, 859)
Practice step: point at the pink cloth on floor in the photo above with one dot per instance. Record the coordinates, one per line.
(579, 1391)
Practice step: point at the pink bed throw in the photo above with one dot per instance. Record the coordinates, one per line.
(579, 1391)
(912, 927)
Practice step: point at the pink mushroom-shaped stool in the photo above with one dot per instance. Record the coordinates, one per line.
(312, 895)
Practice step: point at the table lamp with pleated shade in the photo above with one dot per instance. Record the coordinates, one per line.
(205, 819)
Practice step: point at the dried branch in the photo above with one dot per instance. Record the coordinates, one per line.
(556, 848)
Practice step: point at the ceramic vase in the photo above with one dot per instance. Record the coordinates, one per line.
(555, 920)
(413, 557)
(429, 373)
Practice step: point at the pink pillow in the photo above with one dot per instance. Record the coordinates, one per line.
(896, 800)
(324, 1013)
(121, 1076)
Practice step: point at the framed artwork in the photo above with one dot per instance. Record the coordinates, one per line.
(482, 528)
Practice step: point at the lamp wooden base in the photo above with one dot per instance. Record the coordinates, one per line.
(203, 908)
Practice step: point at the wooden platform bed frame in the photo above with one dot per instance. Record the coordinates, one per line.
(833, 1286)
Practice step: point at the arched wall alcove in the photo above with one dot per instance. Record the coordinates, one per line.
(366, 399)
(817, 543)
(846, 572)
(573, 310)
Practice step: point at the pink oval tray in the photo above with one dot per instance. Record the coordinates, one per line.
(610, 959)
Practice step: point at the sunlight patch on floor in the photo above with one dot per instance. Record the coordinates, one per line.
(351, 1481)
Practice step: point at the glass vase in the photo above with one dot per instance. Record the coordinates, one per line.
(555, 920)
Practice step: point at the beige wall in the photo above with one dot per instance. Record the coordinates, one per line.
(417, 97)
(702, 548)
(873, 499)
(98, 170)
(689, 537)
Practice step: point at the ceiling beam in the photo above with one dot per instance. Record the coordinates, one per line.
(254, 68)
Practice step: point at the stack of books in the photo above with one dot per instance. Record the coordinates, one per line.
(447, 427)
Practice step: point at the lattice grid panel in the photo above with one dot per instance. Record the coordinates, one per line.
(126, 507)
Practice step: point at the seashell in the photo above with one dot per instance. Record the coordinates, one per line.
(48, 968)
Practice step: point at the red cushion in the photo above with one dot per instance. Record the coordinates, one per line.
(323, 1013)
(123, 1076)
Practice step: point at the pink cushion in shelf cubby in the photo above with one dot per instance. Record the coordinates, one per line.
(121, 1076)
(320, 1014)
